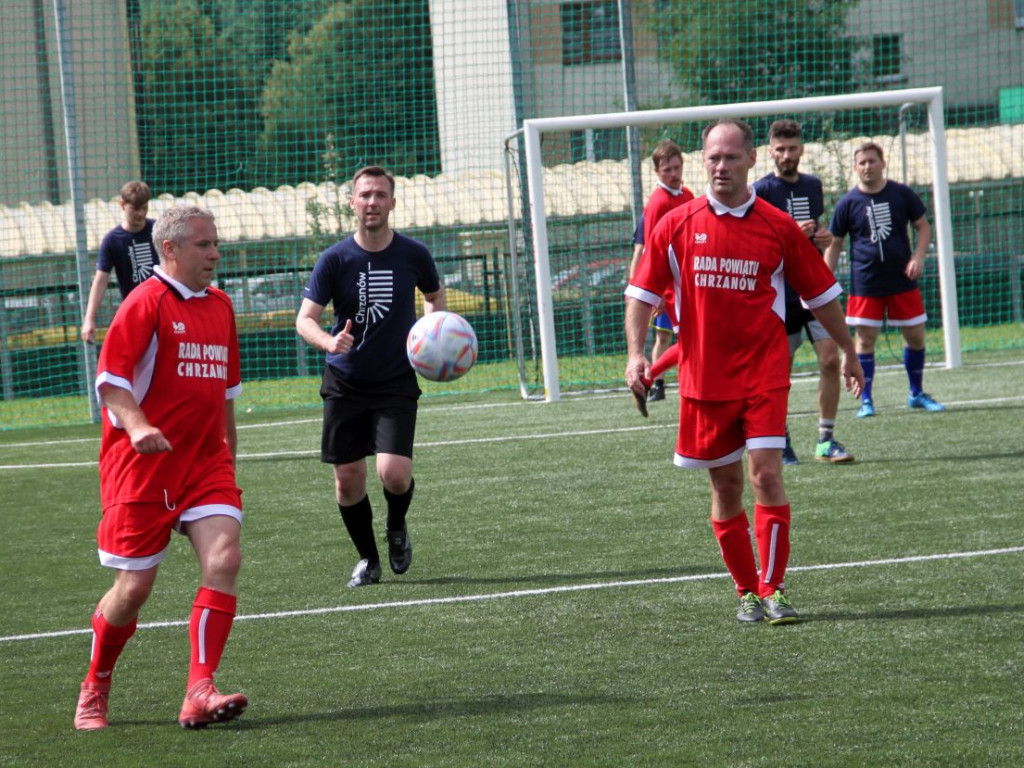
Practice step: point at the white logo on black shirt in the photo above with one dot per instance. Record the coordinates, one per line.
(799, 208)
(880, 221)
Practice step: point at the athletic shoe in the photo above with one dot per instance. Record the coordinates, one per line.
(867, 408)
(788, 454)
(832, 451)
(921, 400)
(778, 609)
(641, 402)
(364, 574)
(204, 704)
(657, 392)
(399, 550)
(91, 712)
(750, 608)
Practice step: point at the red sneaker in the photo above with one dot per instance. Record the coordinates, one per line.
(91, 713)
(204, 704)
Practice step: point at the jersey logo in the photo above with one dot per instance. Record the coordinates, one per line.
(880, 221)
(700, 238)
(799, 208)
(141, 256)
(376, 293)
(177, 327)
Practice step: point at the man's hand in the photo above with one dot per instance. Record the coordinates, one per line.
(148, 439)
(342, 342)
(853, 374)
(915, 268)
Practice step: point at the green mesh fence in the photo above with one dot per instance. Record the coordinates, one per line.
(261, 110)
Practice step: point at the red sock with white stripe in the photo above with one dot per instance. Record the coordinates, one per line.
(107, 643)
(213, 612)
(771, 529)
(738, 553)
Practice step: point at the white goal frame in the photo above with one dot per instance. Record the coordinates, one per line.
(932, 97)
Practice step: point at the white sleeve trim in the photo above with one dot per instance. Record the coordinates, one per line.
(641, 295)
(820, 300)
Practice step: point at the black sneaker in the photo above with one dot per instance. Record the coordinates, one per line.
(657, 392)
(399, 550)
(365, 573)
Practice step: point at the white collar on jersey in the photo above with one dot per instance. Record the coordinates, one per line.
(183, 290)
(739, 211)
(667, 188)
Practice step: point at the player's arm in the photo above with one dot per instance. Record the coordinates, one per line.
(833, 319)
(144, 436)
(230, 429)
(100, 281)
(832, 253)
(638, 316)
(638, 251)
(307, 325)
(915, 267)
(434, 302)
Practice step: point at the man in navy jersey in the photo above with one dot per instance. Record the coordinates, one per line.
(883, 269)
(369, 389)
(127, 249)
(800, 195)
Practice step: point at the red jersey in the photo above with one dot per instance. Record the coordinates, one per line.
(177, 352)
(725, 267)
(659, 203)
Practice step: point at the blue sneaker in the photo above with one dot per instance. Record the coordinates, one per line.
(867, 408)
(921, 400)
(788, 454)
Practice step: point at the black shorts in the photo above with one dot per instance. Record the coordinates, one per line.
(358, 424)
(797, 318)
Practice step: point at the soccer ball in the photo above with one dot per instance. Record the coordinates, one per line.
(441, 346)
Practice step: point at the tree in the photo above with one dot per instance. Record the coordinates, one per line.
(363, 74)
(197, 126)
(759, 49)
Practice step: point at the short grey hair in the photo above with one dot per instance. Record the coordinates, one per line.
(174, 225)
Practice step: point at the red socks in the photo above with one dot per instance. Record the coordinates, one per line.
(738, 553)
(771, 528)
(107, 643)
(213, 613)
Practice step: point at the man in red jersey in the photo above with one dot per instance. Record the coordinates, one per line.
(670, 193)
(167, 377)
(726, 256)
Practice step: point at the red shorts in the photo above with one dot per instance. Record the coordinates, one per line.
(904, 309)
(134, 536)
(713, 433)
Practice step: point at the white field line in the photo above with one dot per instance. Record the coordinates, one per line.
(519, 593)
(450, 443)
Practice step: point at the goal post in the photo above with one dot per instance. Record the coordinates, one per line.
(534, 129)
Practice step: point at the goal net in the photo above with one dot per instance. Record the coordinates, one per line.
(573, 232)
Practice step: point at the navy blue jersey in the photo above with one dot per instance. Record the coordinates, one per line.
(376, 291)
(802, 199)
(879, 242)
(130, 254)
(638, 232)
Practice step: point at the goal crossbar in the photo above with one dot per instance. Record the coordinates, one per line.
(931, 97)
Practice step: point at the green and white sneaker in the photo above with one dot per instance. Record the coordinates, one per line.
(833, 452)
(778, 609)
(750, 608)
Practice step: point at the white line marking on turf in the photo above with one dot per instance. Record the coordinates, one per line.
(534, 592)
(478, 440)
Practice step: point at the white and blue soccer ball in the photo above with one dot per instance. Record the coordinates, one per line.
(441, 346)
